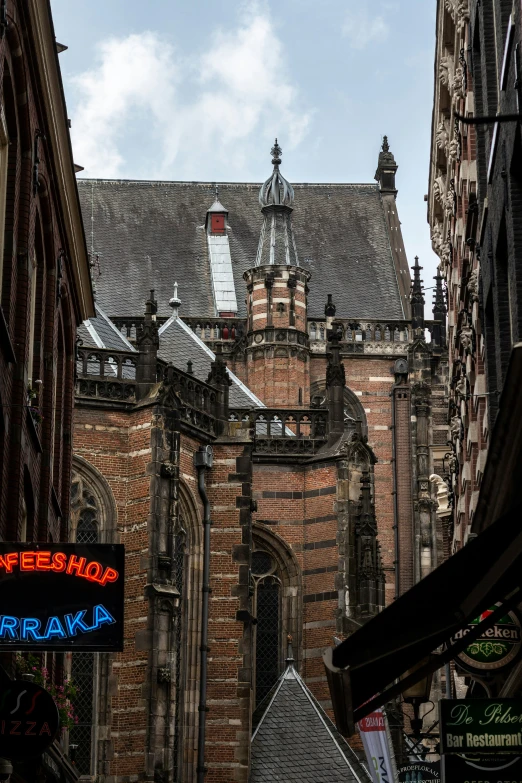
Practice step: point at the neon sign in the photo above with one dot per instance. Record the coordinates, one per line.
(61, 596)
(59, 562)
(25, 628)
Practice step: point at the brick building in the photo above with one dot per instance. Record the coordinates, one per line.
(281, 329)
(45, 289)
(475, 214)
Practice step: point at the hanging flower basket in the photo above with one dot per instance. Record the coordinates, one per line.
(63, 695)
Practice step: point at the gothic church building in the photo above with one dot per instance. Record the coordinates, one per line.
(260, 420)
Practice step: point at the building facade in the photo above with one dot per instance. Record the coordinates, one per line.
(281, 330)
(475, 216)
(45, 294)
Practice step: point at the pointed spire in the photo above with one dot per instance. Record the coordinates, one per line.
(175, 302)
(386, 169)
(439, 312)
(335, 383)
(369, 572)
(417, 298)
(147, 342)
(219, 377)
(276, 191)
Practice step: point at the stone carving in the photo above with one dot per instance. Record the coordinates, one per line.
(454, 149)
(451, 7)
(442, 136)
(436, 238)
(466, 338)
(473, 286)
(439, 189)
(455, 427)
(462, 14)
(445, 70)
(449, 200)
(461, 387)
(457, 84)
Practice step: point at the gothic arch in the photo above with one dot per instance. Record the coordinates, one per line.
(189, 521)
(93, 520)
(105, 505)
(353, 408)
(286, 574)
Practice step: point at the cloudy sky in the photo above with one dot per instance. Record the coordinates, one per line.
(198, 89)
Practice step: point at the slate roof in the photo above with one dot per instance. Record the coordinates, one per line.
(100, 332)
(149, 234)
(295, 741)
(179, 344)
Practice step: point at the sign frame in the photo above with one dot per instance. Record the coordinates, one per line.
(507, 635)
(62, 597)
(481, 726)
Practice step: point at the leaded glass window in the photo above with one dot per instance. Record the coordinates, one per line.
(85, 511)
(82, 673)
(266, 585)
(179, 575)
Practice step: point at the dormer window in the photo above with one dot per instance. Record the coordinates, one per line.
(217, 223)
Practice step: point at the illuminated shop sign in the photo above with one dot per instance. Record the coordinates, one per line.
(61, 596)
(497, 647)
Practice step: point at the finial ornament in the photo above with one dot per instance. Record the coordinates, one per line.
(276, 153)
(175, 302)
(289, 651)
(276, 191)
(385, 145)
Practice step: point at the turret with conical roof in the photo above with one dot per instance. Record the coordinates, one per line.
(277, 242)
(277, 341)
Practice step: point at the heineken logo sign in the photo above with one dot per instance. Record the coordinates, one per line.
(497, 647)
(481, 726)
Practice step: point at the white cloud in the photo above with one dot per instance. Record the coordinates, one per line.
(363, 25)
(199, 110)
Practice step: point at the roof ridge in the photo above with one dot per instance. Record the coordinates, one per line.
(163, 183)
(114, 327)
(265, 713)
(324, 718)
(199, 342)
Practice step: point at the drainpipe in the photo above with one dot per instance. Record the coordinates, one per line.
(203, 461)
(395, 499)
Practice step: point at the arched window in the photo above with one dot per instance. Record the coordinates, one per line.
(266, 585)
(354, 415)
(276, 587)
(180, 555)
(93, 520)
(8, 188)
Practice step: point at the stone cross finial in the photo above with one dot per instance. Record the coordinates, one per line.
(175, 302)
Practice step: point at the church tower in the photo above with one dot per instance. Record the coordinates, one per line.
(278, 361)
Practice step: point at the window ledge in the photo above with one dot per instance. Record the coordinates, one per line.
(5, 340)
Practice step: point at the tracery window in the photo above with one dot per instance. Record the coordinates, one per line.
(93, 520)
(180, 580)
(266, 584)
